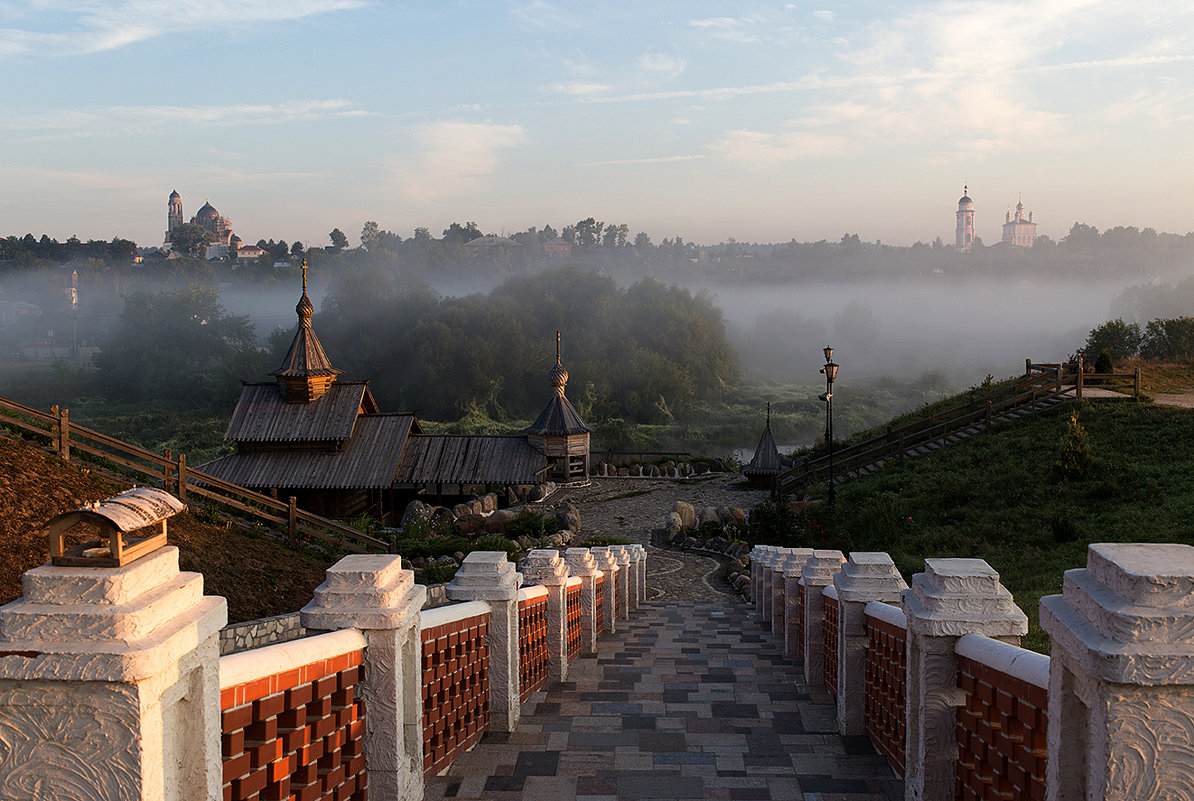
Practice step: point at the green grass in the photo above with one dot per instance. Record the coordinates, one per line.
(997, 497)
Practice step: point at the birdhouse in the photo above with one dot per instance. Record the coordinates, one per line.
(130, 525)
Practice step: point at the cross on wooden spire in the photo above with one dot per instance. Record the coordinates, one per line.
(304, 275)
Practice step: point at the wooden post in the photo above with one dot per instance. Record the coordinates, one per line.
(292, 517)
(1136, 387)
(1078, 381)
(1027, 367)
(63, 444)
(182, 477)
(167, 472)
(988, 413)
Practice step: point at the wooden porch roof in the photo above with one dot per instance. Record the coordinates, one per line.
(469, 459)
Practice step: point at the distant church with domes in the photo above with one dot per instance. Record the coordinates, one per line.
(1018, 231)
(207, 218)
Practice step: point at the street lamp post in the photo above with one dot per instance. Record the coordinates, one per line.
(830, 371)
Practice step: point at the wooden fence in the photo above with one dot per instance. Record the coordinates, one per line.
(1041, 382)
(175, 476)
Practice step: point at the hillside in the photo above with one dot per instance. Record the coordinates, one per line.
(258, 577)
(997, 496)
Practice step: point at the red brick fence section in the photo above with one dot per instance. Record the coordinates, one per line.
(963, 713)
(455, 682)
(292, 726)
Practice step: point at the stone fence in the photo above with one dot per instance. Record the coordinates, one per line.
(112, 685)
(935, 676)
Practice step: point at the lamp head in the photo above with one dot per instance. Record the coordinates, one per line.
(830, 372)
(828, 354)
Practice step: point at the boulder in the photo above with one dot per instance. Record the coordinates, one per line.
(461, 509)
(489, 503)
(565, 536)
(708, 515)
(476, 507)
(716, 466)
(623, 472)
(472, 523)
(418, 561)
(687, 514)
(551, 541)
(701, 468)
(654, 471)
(737, 516)
(442, 513)
(526, 543)
(636, 470)
(445, 560)
(500, 519)
(415, 510)
(568, 518)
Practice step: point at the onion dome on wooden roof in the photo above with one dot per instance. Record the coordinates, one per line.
(306, 373)
(559, 417)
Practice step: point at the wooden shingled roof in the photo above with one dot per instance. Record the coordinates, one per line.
(368, 460)
(262, 415)
(558, 417)
(469, 459)
(766, 461)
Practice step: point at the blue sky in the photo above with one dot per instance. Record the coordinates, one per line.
(761, 121)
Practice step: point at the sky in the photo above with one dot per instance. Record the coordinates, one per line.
(761, 121)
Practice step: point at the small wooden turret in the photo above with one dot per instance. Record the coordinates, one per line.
(559, 433)
(306, 373)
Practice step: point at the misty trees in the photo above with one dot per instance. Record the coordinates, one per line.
(339, 240)
(178, 346)
(1120, 339)
(643, 353)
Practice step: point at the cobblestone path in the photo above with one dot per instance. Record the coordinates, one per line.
(684, 701)
(634, 507)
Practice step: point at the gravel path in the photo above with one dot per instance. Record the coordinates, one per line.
(634, 507)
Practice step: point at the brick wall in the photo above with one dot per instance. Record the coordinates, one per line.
(455, 683)
(829, 626)
(1002, 726)
(292, 723)
(532, 640)
(600, 604)
(572, 606)
(886, 665)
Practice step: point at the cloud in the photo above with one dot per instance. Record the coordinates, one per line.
(578, 88)
(140, 120)
(543, 15)
(823, 16)
(453, 158)
(649, 160)
(662, 65)
(81, 27)
(730, 28)
(761, 149)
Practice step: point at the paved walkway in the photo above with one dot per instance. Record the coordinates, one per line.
(689, 700)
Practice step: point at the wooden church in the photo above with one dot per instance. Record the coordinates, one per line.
(323, 440)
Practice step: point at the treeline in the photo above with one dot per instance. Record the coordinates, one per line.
(26, 249)
(1160, 340)
(644, 353)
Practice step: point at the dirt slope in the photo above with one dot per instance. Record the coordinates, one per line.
(257, 576)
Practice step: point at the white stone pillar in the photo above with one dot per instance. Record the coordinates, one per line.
(758, 555)
(767, 589)
(794, 561)
(545, 567)
(1121, 676)
(373, 594)
(582, 565)
(865, 577)
(951, 598)
(631, 564)
(621, 579)
(489, 576)
(817, 574)
(778, 591)
(110, 684)
(641, 566)
(608, 564)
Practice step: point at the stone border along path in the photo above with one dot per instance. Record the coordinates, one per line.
(635, 507)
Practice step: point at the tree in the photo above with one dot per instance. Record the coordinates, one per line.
(296, 250)
(369, 235)
(1168, 340)
(179, 345)
(462, 233)
(422, 234)
(1121, 339)
(191, 240)
(339, 240)
(642, 242)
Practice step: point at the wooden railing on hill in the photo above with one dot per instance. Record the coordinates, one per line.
(1040, 383)
(175, 476)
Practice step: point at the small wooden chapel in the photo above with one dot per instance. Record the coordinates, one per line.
(310, 434)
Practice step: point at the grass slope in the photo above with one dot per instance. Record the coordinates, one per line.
(997, 497)
(259, 577)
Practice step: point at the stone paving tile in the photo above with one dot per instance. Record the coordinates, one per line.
(688, 700)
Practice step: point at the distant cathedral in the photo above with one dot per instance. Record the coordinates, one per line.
(1020, 230)
(207, 218)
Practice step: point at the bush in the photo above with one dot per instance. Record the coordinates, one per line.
(1103, 364)
(712, 528)
(493, 542)
(597, 540)
(1121, 339)
(435, 574)
(528, 522)
(1074, 458)
(435, 546)
(773, 524)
